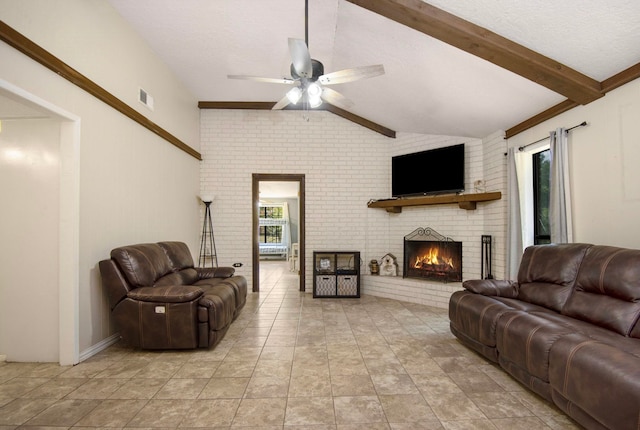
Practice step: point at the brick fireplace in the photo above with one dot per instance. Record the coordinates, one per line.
(430, 256)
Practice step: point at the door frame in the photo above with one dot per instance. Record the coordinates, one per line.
(68, 282)
(281, 177)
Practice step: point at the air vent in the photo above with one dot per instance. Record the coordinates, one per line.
(145, 98)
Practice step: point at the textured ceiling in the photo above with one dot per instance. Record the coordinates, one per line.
(429, 87)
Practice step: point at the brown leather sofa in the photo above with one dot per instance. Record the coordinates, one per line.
(567, 329)
(159, 300)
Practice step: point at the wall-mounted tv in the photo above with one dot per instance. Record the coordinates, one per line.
(435, 171)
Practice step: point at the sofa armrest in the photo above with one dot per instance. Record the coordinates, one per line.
(166, 294)
(492, 287)
(215, 272)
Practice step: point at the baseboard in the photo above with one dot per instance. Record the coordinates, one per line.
(100, 346)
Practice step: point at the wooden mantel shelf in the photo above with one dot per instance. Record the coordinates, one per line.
(464, 201)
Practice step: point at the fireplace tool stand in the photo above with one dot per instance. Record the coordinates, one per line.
(485, 266)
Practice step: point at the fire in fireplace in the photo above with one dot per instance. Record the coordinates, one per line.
(431, 256)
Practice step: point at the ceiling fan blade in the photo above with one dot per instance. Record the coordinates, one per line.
(284, 101)
(300, 58)
(350, 75)
(335, 98)
(261, 79)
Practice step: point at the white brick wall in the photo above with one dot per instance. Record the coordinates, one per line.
(345, 165)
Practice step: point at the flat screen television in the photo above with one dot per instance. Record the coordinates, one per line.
(435, 171)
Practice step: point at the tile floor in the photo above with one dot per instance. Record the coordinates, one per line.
(288, 362)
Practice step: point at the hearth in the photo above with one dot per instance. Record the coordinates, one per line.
(430, 256)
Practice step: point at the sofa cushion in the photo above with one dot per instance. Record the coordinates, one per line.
(525, 340)
(547, 273)
(492, 287)
(598, 378)
(178, 254)
(607, 289)
(142, 264)
(168, 294)
(183, 277)
(217, 306)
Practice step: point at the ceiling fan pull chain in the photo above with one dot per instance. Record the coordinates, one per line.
(306, 23)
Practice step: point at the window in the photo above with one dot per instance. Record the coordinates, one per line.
(271, 233)
(271, 212)
(541, 184)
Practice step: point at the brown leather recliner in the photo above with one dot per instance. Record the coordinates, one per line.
(159, 300)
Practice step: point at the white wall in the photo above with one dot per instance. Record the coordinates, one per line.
(134, 186)
(604, 160)
(345, 166)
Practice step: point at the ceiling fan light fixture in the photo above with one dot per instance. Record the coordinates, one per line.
(294, 95)
(314, 102)
(314, 92)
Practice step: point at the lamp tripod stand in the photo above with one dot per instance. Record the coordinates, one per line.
(207, 243)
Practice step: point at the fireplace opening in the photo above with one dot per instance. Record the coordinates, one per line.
(430, 256)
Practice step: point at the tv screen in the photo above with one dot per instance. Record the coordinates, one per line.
(435, 171)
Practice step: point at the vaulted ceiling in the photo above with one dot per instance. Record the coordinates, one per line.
(463, 68)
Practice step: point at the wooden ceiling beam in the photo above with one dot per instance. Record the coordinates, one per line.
(325, 106)
(489, 46)
(609, 84)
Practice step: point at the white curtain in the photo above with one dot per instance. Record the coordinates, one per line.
(560, 192)
(514, 222)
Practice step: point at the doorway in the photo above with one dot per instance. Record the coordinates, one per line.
(289, 244)
(39, 158)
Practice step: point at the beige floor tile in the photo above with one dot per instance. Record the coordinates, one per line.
(87, 369)
(347, 366)
(197, 369)
(138, 389)
(266, 387)
(112, 413)
(178, 388)
(243, 353)
(235, 369)
(527, 423)
(20, 386)
(394, 384)
(499, 405)
(281, 353)
(476, 424)
(225, 388)
(406, 408)
(63, 413)
(211, 413)
(309, 411)
(97, 389)
(309, 386)
(19, 411)
(474, 381)
(419, 425)
(368, 426)
(278, 368)
(162, 413)
(358, 410)
(454, 407)
(261, 412)
(352, 385)
(384, 365)
(123, 369)
(55, 388)
(159, 369)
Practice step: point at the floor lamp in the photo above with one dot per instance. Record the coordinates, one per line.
(207, 243)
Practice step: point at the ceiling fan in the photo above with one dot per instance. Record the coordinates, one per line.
(310, 83)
